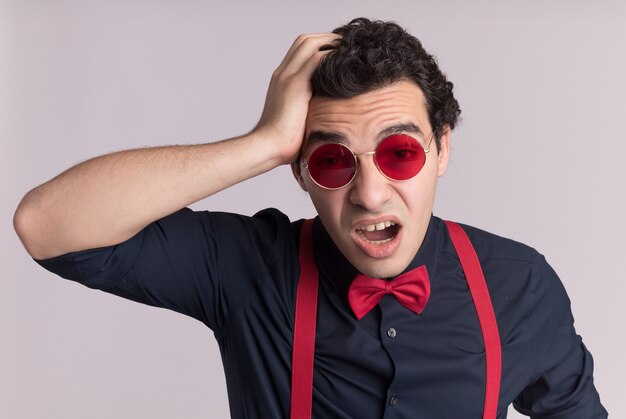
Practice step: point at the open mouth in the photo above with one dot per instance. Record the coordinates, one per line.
(379, 233)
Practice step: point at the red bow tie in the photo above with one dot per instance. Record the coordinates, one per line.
(411, 289)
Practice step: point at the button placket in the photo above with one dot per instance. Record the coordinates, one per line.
(391, 319)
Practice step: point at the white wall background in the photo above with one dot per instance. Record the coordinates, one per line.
(539, 157)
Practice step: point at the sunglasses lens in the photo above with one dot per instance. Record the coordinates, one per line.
(400, 157)
(332, 165)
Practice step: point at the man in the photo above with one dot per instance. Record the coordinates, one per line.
(364, 116)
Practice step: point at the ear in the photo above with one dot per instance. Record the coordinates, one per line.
(444, 152)
(297, 173)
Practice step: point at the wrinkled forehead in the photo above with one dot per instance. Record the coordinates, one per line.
(368, 118)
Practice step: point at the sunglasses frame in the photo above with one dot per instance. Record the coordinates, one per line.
(367, 153)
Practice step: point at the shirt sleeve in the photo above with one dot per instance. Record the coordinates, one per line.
(201, 264)
(561, 366)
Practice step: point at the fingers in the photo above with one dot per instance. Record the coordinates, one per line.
(309, 66)
(303, 48)
(300, 40)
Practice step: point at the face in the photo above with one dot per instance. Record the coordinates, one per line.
(398, 212)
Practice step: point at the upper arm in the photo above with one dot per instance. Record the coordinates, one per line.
(197, 263)
(561, 384)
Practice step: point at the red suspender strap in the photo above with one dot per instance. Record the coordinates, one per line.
(486, 316)
(304, 329)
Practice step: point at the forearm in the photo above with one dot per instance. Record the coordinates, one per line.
(110, 198)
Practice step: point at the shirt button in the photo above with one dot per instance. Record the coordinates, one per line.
(391, 332)
(393, 401)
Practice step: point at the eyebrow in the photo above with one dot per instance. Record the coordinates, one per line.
(398, 128)
(337, 137)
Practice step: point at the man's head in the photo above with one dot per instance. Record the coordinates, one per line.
(373, 54)
(378, 81)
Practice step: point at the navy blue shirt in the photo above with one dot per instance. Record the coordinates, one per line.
(238, 275)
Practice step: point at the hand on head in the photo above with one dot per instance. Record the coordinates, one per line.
(287, 100)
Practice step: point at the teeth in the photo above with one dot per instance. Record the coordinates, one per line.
(380, 226)
(375, 241)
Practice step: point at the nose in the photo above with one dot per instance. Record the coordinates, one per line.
(370, 189)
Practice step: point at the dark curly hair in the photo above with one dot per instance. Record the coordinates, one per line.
(373, 54)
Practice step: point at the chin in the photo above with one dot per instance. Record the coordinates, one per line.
(381, 268)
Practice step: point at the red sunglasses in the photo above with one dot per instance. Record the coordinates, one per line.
(398, 157)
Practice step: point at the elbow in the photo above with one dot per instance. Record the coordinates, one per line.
(27, 224)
